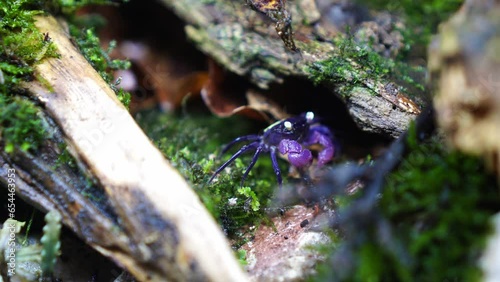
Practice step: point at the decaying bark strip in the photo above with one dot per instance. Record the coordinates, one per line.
(161, 231)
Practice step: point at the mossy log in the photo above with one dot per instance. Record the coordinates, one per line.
(147, 219)
(246, 43)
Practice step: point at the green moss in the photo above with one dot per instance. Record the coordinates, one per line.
(82, 29)
(90, 46)
(65, 158)
(439, 204)
(242, 257)
(422, 17)
(22, 47)
(192, 145)
(22, 42)
(352, 65)
(69, 7)
(19, 123)
(446, 200)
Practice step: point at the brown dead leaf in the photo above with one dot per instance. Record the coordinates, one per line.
(225, 98)
(159, 75)
(158, 80)
(221, 96)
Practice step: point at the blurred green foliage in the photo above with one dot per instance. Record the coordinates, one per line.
(439, 204)
(422, 17)
(446, 200)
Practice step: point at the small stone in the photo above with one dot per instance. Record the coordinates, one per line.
(304, 223)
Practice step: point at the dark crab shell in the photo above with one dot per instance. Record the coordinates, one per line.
(278, 131)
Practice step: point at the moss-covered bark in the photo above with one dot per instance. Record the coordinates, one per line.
(246, 44)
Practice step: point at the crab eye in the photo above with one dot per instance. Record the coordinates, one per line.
(288, 125)
(309, 116)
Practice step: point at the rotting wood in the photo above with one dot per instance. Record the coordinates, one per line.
(162, 231)
(240, 40)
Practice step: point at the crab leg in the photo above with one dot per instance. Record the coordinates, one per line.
(243, 149)
(252, 163)
(239, 139)
(276, 167)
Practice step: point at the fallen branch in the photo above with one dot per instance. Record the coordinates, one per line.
(157, 228)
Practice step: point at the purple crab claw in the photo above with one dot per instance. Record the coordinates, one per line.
(321, 135)
(297, 156)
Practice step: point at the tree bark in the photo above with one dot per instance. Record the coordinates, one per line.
(246, 43)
